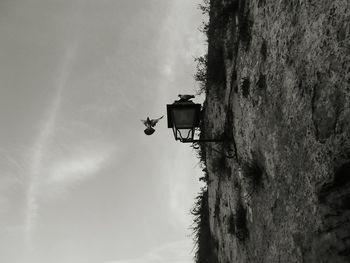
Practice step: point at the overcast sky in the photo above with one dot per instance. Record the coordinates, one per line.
(79, 180)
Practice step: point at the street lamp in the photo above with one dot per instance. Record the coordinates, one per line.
(183, 117)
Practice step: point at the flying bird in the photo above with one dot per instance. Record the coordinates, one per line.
(150, 123)
(185, 97)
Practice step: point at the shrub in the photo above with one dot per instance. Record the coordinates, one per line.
(231, 225)
(263, 50)
(253, 172)
(201, 73)
(245, 25)
(205, 7)
(241, 229)
(262, 82)
(205, 245)
(217, 207)
(245, 87)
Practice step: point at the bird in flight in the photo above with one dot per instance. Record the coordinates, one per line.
(185, 97)
(150, 123)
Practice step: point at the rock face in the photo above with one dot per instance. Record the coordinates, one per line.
(278, 90)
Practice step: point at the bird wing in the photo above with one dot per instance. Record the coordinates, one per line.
(154, 121)
(144, 122)
(186, 96)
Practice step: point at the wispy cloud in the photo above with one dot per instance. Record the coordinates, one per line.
(76, 169)
(64, 173)
(41, 145)
(61, 159)
(39, 151)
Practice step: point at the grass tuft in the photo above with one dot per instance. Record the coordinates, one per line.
(205, 244)
(245, 25)
(253, 172)
(263, 50)
(241, 229)
(245, 87)
(231, 225)
(201, 74)
(262, 82)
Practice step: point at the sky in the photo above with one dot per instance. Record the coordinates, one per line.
(79, 180)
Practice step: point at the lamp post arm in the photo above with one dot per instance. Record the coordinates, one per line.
(229, 152)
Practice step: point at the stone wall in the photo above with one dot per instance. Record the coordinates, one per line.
(278, 90)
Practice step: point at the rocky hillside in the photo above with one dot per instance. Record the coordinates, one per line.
(278, 92)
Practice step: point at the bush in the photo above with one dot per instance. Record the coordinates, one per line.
(245, 87)
(205, 245)
(241, 229)
(202, 61)
(205, 7)
(231, 225)
(253, 172)
(201, 74)
(245, 25)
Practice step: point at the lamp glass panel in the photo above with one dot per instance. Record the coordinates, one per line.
(184, 134)
(184, 118)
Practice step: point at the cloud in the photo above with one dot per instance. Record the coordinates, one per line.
(76, 166)
(41, 145)
(39, 150)
(76, 169)
(174, 252)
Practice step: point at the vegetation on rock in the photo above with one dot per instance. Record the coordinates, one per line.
(276, 79)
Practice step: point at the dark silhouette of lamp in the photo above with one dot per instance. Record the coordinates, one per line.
(183, 118)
